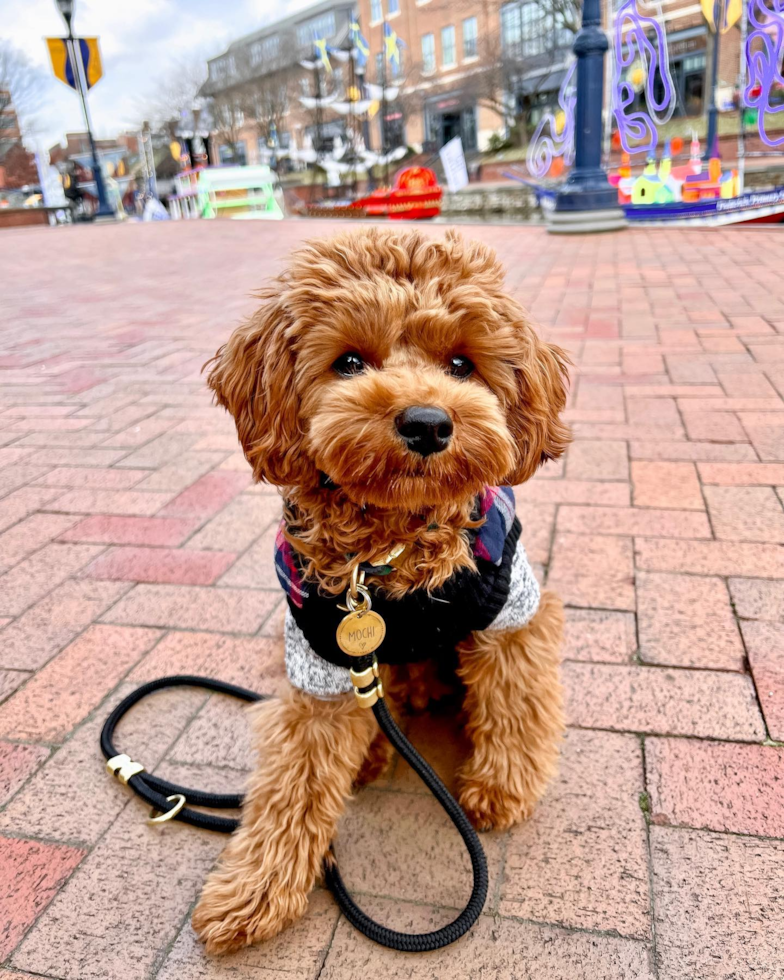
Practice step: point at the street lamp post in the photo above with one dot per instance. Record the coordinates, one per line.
(713, 111)
(587, 201)
(75, 55)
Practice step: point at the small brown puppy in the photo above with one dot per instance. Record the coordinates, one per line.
(391, 388)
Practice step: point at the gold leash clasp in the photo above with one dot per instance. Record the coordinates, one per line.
(179, 802)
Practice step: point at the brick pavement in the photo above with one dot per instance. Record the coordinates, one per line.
(132, 543)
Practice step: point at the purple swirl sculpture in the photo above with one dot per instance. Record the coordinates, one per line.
(638, 130)
(764, 49)
(546, 142)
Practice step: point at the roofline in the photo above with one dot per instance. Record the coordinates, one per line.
(291, 21)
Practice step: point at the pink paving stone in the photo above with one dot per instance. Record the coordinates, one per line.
(29, 535)
(687, 621)
(23, 502)
(766, 432)
(10, 680)
(152, 531)
(32, 874)
(598, 635)
(589, 832)
(709, 557)
(671, 485)
(207, 495)
(745, 513)
(133, 503)
(79, 380)
(176, 565)
(716, 785)
(69, 687)
(132, 871)
(633, 521)
(94, 477)
(597, 461)
(255, 662)
(593, 570)
(298, 953)
(495, 948)
(717, 902)
(742, 474)
(239, 524)
(757, 598)
(194, 607)
(550, 491)
(29, 641)
(713, 427)
(17, 763)
(653, 411)
(701, 703)
(737, 452)
(256, 568)
(32, 578)
(139, 433)
(765, 647)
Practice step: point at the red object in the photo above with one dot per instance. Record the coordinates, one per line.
(415, 195)
(676, 145)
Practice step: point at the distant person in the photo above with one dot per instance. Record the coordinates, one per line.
(73, 193)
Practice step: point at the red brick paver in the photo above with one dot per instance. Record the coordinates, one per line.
(134, 544)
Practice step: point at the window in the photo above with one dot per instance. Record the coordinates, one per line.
(394, 7)
(321, 27)
(510, 27)
(448, 54)
(376, 11)
(264, 50)
(380, 66)
(233, 153)
(428, 53)
(529, 29)
(469, 37)
(221, 70)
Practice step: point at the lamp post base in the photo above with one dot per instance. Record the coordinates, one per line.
(584, 222)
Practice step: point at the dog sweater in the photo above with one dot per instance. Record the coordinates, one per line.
(501, 594)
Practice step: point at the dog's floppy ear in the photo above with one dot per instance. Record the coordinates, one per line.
(253, 377)
(542, 374)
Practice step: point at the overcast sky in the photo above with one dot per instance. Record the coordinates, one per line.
(138, 38)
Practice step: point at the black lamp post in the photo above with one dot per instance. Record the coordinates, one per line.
(587, 201)
(66, 8)
(713, 112)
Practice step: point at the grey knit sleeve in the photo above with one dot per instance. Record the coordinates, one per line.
(523, 599)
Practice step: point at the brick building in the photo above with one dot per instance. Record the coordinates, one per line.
(256, 83)
(17, 164)
(471, 68)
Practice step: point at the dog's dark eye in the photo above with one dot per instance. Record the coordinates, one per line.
(460, 367)
(348, 364)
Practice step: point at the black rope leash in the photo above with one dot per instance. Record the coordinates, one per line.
(170, 799)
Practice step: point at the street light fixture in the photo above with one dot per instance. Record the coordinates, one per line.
(66, 8)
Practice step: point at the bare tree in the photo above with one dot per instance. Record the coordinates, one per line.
(174, 92)
(21, 87)
(228, 118)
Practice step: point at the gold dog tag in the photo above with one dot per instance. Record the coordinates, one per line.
(361, 632)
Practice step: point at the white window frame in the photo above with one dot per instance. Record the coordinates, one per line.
(429, 69)
(453, 62)
(475, 39)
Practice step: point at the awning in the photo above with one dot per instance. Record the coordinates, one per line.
(546, 82)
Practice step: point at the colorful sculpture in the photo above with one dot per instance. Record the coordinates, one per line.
(554, 135)
(764, 52)
(665, 184)
(640, 45)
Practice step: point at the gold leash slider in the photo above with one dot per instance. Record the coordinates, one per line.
(362, 678)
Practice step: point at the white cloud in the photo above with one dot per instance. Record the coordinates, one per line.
(139, 40)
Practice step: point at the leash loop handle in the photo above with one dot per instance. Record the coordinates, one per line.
(160, 794)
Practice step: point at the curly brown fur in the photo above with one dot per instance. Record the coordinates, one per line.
(407, 304)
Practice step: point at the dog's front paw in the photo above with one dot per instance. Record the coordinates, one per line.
(492, 807)
(230, 914)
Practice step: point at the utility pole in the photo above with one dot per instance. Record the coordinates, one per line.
(75, 56)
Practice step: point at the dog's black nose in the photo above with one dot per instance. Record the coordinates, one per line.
(425, 430)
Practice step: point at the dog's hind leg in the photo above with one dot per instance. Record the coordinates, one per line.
(515, 717)
(310, 752)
